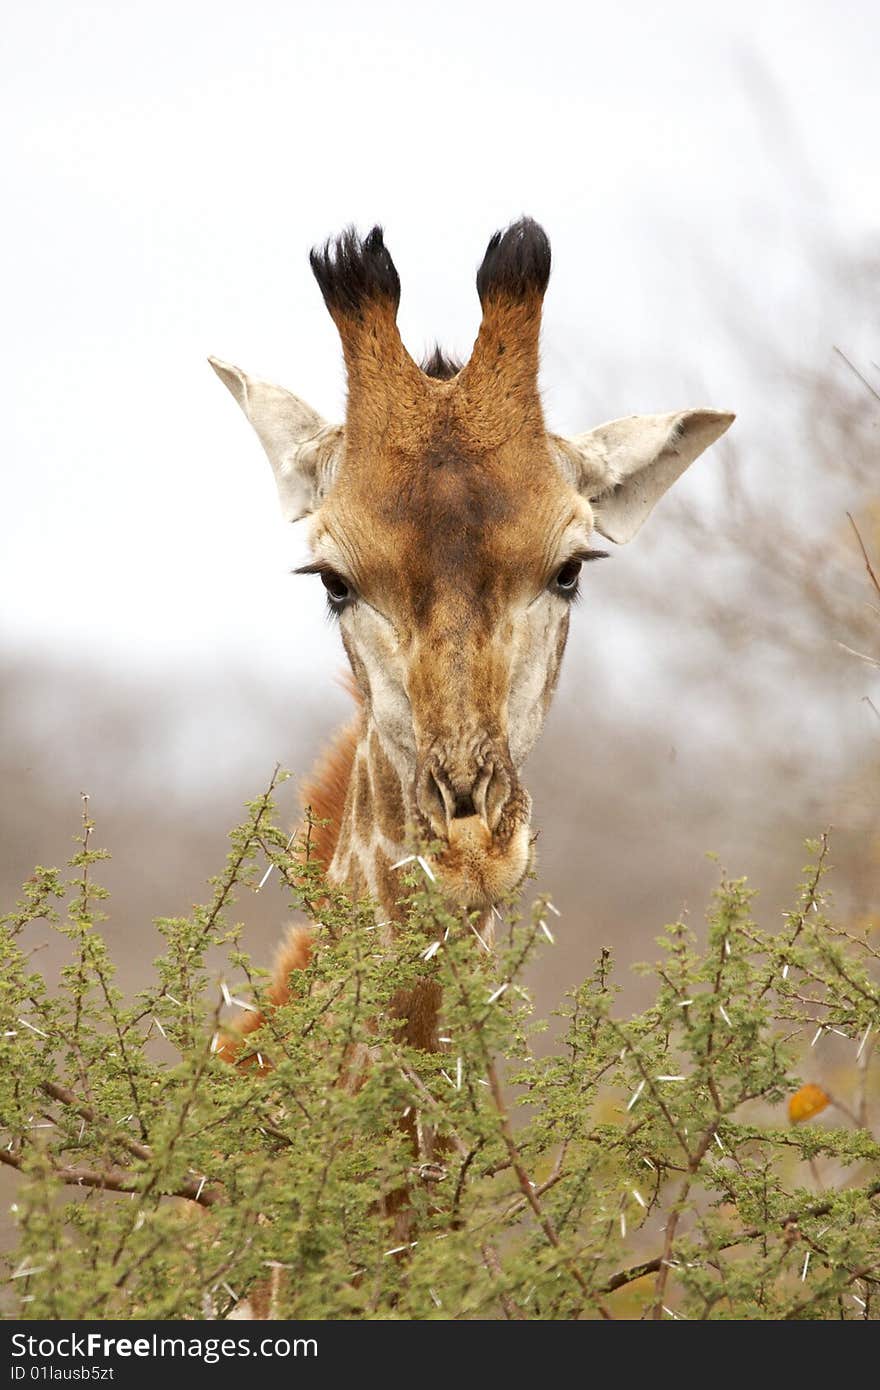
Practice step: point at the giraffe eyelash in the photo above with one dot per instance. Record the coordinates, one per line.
(565, 583)
(316, 567)
(340, 593)
(586, 555)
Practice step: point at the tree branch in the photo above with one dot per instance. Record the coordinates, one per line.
(119, 1180)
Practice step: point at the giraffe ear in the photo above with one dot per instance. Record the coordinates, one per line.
(625, 466)
(301, 447)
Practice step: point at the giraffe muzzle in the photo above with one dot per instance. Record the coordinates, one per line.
(481, 815)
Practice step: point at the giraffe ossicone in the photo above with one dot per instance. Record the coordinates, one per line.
(449, 527)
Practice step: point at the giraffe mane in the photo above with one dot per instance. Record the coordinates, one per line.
(326, 787)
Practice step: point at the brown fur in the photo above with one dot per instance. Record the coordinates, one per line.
(326, 790)
(388, 805)
(388, 886)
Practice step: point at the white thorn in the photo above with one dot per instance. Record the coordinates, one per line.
(24, 1023)
(635, 1095)
(479, 938)
(423, 863)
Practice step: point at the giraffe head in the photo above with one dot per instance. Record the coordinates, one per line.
(449, 529)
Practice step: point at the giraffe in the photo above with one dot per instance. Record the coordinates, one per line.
(449, 528)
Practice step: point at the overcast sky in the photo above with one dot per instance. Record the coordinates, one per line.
(168, 165)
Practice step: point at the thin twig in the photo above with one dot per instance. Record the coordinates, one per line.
(854, 369)
(868, 566)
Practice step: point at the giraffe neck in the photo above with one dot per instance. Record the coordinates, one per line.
(372, 838)
(364, 792)
(373, 825)
(374, 833)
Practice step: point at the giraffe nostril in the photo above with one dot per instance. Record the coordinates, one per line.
(443, 803)
(494, 794)
(434, 803)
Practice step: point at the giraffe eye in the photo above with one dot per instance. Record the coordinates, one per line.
(338, 591)
(566, 581)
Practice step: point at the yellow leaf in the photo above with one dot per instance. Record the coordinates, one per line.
(807, 1102)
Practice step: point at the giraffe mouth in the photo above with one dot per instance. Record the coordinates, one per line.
(474, 808)
(477, 866)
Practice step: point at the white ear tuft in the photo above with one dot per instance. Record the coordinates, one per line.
(625, 466)
(301, 447)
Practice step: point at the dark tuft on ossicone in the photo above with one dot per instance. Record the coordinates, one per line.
(440, 366)
(516, 263)
(351, 272)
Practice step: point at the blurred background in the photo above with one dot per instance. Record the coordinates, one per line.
(708, 179)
